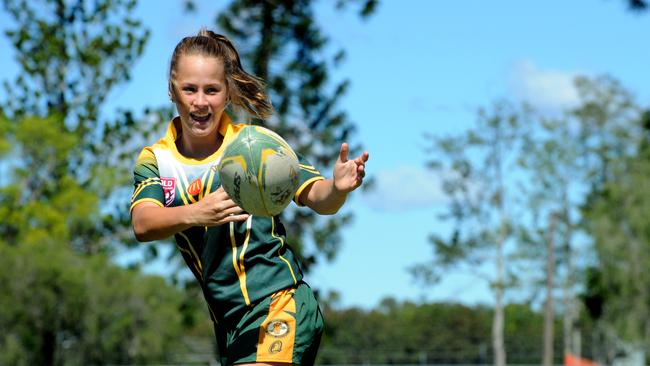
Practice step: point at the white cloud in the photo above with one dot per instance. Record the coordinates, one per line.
(403, 188)
(549, 90)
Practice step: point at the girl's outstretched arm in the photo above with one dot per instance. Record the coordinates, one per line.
(327, 196)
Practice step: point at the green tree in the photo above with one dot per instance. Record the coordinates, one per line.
(561, 163)
(477, 169)
(56, 304)
(60, 307)
(619, 292)
(63, 302)
(282, 43)
(71, 55)
(567, 159)
(610, 137)
(429, 333)
(547, 237)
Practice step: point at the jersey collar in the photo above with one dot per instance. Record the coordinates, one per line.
(225, 130)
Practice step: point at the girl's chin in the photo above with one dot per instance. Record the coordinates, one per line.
(202, 132)
(202, 127)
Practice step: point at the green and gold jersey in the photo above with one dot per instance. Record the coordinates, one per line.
(236, 263)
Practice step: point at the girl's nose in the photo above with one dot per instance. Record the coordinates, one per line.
(200, 99)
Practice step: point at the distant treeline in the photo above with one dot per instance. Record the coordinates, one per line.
(432, 333)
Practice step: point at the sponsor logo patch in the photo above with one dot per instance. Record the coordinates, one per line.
(195, 188)
(169, 188)
(277, 328)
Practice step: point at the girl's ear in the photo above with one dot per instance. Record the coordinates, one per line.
(170, 91)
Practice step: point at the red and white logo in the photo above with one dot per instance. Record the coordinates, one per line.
(169, 188)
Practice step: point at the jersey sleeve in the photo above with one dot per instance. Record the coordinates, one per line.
(308, 175)
(146, 180)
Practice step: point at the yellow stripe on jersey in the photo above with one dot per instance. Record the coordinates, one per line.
(213, 171)
(143, 184)
(239, 265)
(149, 180)
(181, 179)
(309, 168)
(194, 254)
(241, 258)
(282, 246)
(214, 317)
(145, 200)
(198, 266)
(302, 188)
(233, 244)
(203, 185)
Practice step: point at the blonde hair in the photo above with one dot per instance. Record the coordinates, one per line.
(245, 91)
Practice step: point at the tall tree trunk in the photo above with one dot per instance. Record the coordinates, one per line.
(498, 320)
(499, 316)
(549, 313)
(572, 341)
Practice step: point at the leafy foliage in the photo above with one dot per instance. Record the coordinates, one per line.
(477, 169)
(575, 172)
(429, 333)
(62, 307)
(619, 290)
(63, 302)
(72, 54)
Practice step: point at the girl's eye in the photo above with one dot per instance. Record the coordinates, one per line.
(189, 89)
(212, 91)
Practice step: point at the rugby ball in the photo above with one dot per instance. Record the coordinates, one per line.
(259, 171)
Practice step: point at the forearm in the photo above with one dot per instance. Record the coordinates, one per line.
(153, 222)
(323, 197)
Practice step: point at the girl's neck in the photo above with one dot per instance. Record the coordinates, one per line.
(198, 149)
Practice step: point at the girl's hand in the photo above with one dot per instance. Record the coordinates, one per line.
(217, 208)
(348, 174)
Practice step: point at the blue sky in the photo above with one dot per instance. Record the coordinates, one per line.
(421, 67)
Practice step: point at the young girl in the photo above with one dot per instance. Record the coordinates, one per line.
(262, 310)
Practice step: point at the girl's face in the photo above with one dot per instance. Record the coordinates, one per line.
(200, 95)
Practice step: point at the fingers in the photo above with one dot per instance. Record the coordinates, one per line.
(221, 191)
(361, 171)
(349, 174)
(343, 154)
(364, 157)
(361, 164)
(232, 214)
(234, 218)
(230, 208)
(221, 209)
